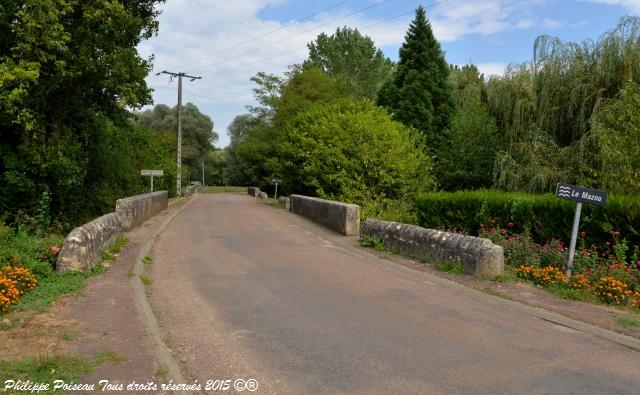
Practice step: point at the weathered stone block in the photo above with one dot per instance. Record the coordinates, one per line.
(479, 257)
(341, 217)
(82, 247)
(135, 210)
(190, 190)
(253, 191)
(262, 195)
(286, 202)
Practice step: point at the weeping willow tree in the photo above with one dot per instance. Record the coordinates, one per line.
(545, 109)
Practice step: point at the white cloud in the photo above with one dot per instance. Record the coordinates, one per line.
(550, 23)
(489, 69)
(195, 34)
(630, 5)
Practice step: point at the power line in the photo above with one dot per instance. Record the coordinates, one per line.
(265, 34)
(293, 36)
(300, 48)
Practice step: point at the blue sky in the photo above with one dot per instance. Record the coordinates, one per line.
(228, 41)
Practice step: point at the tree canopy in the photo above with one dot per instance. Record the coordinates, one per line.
(419, 94)
(69, 70)
(354, 57)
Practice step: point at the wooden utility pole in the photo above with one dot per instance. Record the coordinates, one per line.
(179, 116)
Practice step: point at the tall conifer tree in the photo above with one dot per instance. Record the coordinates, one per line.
(419, 93)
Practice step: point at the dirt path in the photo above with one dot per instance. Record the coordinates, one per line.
(246, 291)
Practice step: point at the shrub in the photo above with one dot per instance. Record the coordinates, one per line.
(544, 216)
(611, 291)
(353, 152)
(542, 276)
(8, 293)
(14, 281)
(580, 282)
(22, 278)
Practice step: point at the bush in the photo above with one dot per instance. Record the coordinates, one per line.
(544, 216)
(353, 152)
(14, 281)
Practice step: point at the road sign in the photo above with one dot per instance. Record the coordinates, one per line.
(276, 181)
(581, 194)
(151, 173)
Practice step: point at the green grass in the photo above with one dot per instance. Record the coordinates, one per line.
(112, 357)
(628, 321)
(33, 251)
(273, 202)
(145, 280)
(45, 370)
(68, 336)
(374, 242)
(110, 253)
(451, 267)
(224, 189)
(51, 288)
(147, 260)
(162, 373)
(573, 294)
(509, 275)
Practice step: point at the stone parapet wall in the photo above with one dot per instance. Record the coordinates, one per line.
(137, 209)
(479, 257)
(341, 217)
(83, 246)
(253, 191)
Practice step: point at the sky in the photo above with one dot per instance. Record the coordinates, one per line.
(227, 42)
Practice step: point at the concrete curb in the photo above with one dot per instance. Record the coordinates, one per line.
(161, 351)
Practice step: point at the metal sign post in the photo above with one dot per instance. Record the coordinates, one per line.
(152, 173)
(276, 181)
(579, 195)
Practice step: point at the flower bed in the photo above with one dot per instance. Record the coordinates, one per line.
(608, 270)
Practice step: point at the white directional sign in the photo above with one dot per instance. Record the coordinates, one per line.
(151, 173)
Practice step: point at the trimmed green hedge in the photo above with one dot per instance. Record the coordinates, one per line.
(545, 216)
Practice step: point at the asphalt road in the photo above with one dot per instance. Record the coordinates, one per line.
(244, 290)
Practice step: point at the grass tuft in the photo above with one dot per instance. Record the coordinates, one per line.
(628, 321)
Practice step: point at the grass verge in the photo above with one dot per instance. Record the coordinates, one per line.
(628, 321)
(224, 189)
(45, 370)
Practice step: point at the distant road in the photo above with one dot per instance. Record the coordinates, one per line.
(248, 291)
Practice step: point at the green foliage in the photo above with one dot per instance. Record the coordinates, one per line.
(544, 216)
(467, 162)
(618, 130)
(374, 242)
(354, 57)
(68, 72)
(419, 94)
(45, 370)
(451, 267)
(629, 321)
(353, 152)
(198, 137)
(551, 118)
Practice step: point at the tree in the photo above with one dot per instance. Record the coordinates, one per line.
(617, 129)
(198, 136)
(349, 54)
(419, 94)
(68, 72)
(354, 152)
